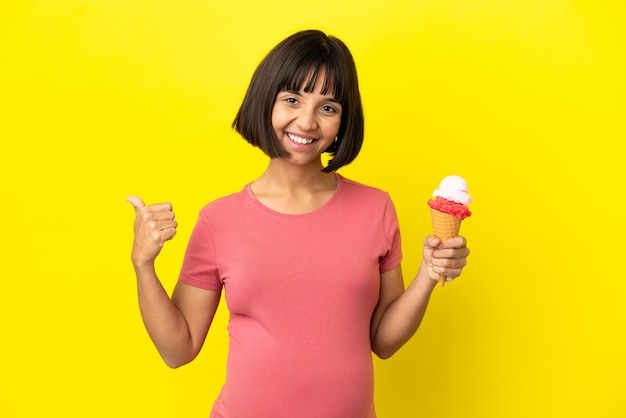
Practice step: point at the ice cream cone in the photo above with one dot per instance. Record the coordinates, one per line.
(448, 208)
(445, 226)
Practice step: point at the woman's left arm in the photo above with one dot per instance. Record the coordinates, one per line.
(399, 312)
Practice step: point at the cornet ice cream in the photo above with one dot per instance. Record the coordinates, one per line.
(448, 208)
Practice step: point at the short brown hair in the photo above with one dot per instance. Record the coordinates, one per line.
(294, 64)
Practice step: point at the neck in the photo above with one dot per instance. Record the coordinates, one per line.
(292, 189)
(283, 175)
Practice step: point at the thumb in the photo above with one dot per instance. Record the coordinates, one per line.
(432, 241)
(136, 202)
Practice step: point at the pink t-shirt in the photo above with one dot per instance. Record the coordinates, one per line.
(301, 290)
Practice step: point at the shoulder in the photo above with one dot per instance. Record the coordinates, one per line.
(226, 204)
(361, 191)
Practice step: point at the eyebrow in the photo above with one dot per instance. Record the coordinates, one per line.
(298, 93)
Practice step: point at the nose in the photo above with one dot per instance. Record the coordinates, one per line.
(307, 119)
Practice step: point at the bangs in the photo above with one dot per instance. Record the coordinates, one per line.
(305, 78)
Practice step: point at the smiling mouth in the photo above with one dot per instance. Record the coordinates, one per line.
(299, 140)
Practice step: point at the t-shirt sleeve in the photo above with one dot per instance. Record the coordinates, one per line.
(391, 231)
(200, 264)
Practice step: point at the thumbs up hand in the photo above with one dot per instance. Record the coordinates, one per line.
(154, 224)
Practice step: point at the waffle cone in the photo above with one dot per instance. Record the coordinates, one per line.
(445, 226)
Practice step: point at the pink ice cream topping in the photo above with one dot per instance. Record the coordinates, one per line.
(458, 210)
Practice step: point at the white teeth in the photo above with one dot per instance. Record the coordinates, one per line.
(299, 140)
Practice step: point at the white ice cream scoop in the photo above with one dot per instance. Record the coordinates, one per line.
(453, 188)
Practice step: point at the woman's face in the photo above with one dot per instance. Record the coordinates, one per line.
(306, 124)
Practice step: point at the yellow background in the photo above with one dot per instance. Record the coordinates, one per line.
(525, 99)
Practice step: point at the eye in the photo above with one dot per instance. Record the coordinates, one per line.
(331, 109)
(288, 98)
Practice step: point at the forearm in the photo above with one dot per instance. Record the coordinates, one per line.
(164, 322)
(403, 317)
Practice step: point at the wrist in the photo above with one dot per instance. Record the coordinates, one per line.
(143, 266)
(423, 279)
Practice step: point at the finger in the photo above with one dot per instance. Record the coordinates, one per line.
(136, 202)
(451, 253)
(163, 225)
(163, 215)
(168, 234)
(156, 211)
(448, 272)
(151, 212)
(159, 207)
(448, 267)
(160, 236)
(455, 242)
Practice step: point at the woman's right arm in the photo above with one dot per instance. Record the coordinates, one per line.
(177, 326)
